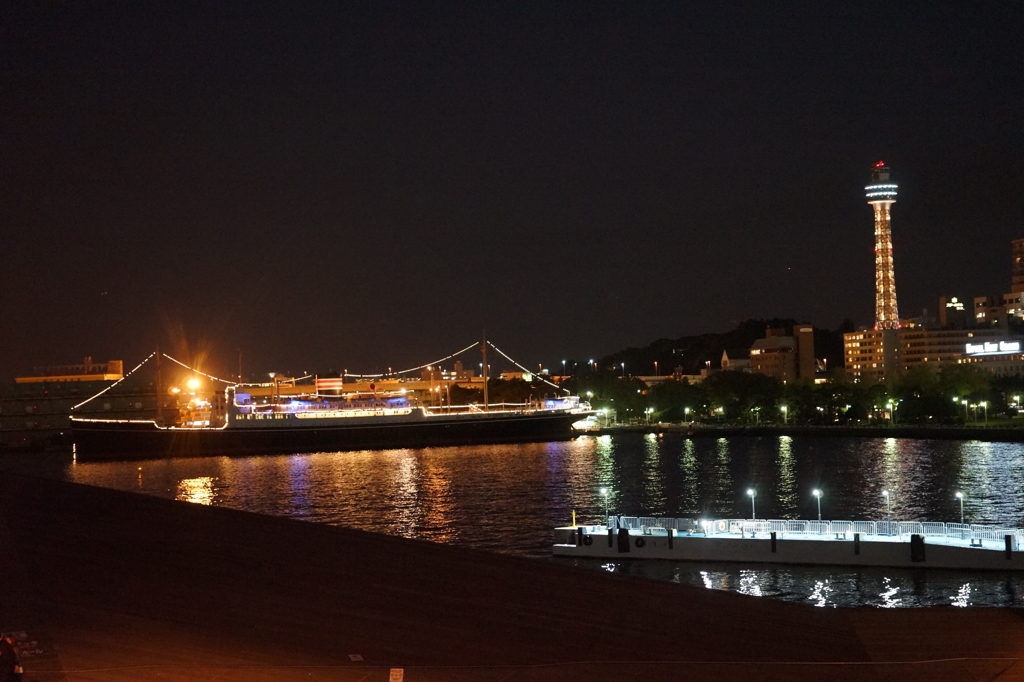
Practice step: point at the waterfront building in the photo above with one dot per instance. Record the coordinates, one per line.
(953, 312)
(988, 310)
(865, 355)
(736, 360)
(35, 410)
(1002, 357)
(785, 357)
(997, 310)
(1018, 266)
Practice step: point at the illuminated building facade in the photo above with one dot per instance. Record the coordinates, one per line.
(1002, 358)
(864, 353)
(87, 371)
(988, 310)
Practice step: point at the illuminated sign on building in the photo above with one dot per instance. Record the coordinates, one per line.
(955, 304)
(993, 347)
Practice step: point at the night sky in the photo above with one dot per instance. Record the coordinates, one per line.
(364, 185)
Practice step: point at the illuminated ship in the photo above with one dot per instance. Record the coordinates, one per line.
(235, 422)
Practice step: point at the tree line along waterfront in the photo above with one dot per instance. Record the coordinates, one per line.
(953, 394)
(627, 386)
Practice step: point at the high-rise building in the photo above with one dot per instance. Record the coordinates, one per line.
(1018, 266)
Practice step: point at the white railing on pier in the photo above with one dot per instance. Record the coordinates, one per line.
(864, 527)
(831, 529)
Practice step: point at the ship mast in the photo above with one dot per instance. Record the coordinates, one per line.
(483, 351)
(159, 397)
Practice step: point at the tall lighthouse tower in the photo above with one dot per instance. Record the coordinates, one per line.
(881, 194)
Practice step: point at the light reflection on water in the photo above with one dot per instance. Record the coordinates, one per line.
(509, 498)
(196, 490)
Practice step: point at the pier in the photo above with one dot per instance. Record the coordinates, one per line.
(896, 544)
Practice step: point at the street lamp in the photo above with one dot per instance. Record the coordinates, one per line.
(888, 509)
(686, 413)
(753, 494)
(785, 414)
(817, 494)
(594, 364)
(607, 517)
(656, 369)
(891, 415)
(960, 496)
(623, 369)
(984, 404)
(563, 370)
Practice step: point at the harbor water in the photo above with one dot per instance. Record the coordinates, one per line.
(509, 498)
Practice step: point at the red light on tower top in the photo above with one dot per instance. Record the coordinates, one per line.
(880, 164)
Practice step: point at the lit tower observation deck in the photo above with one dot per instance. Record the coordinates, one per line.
(881, 194)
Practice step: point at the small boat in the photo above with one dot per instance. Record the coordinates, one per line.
(898, 544)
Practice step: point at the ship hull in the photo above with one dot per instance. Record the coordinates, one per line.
(98, 440)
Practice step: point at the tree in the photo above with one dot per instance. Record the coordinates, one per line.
(742, 396)
(671, 399)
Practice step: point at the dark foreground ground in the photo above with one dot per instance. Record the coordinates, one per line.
(116, 586)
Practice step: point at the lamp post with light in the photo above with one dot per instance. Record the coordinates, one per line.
(984, 404)
(888, 509)
(817, 494)
(753, 494)
(960, 496)
(785, 414)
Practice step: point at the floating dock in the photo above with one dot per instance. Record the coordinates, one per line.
(897, 544)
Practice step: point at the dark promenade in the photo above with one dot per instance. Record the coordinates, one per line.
(118, 586)
(996, 434)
